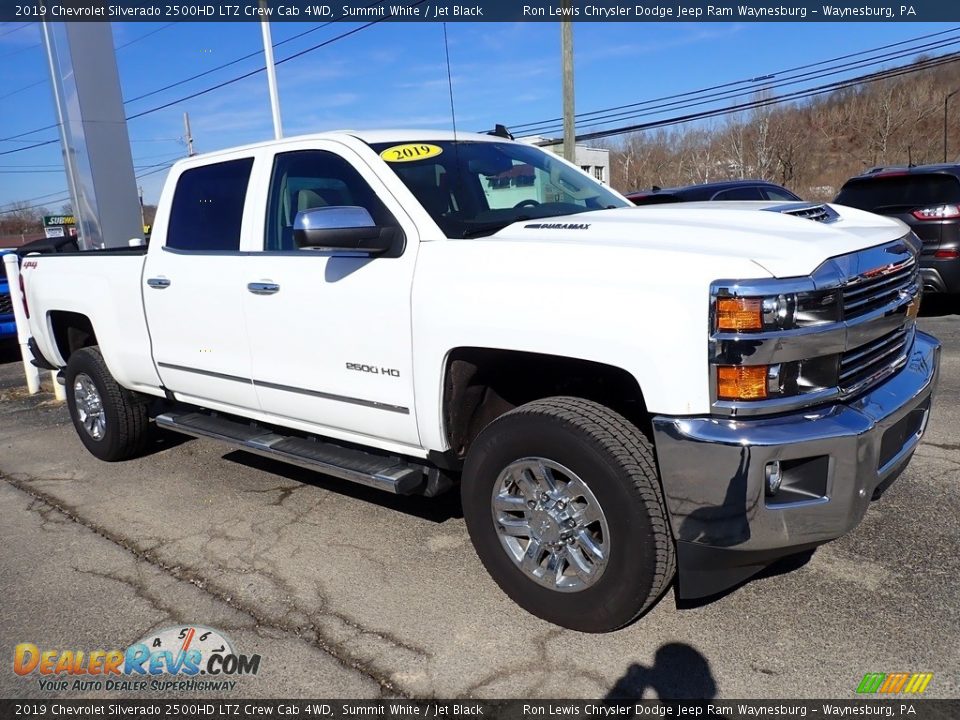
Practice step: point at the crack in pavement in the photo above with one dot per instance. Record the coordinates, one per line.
(538, 667)
(942, 446)
(336, 650)
(285, 492)
(140, 590)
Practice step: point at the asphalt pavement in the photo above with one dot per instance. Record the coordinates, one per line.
(346, 592)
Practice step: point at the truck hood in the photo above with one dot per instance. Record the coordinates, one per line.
(784, 245)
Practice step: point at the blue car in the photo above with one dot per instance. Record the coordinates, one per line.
(8, 327)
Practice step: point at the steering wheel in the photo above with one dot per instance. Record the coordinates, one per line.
(524, 203)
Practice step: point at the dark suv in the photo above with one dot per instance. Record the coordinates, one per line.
(726, 190)
(925, 197)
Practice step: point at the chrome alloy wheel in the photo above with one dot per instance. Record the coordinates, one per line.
(551, 524)
(90, 411)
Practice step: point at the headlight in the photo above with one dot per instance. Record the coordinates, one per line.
(744, 382)
(755, 337)
(786, 311)
(782, 379)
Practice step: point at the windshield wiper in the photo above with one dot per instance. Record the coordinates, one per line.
(490, 228)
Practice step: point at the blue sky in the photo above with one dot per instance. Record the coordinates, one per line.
(394, 75)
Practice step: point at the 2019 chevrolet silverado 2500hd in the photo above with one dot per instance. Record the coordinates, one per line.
(622, 393)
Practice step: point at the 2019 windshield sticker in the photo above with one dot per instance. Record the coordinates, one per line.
(557, 226)
(410, 152)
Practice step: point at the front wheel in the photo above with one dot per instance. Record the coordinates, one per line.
(563, 505)
(111, 421)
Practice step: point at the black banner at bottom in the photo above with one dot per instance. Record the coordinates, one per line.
(216, 709)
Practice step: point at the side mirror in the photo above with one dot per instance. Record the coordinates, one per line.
(341, 227)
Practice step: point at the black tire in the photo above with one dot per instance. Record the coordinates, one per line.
(126, 421)
(616, 461)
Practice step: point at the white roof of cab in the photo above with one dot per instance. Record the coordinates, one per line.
(367, 136)
(378, 136)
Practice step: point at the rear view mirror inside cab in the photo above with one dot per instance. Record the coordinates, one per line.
(489, 163)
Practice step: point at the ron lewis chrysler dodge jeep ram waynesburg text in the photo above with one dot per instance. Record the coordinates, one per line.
(624, 395)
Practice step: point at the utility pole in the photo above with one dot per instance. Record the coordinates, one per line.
(566, 51)
(271, 74)
(945, 101)
(188, 136)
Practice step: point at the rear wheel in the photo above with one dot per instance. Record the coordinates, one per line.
(563, 505)
(111, 421)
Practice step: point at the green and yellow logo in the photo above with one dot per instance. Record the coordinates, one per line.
(893, 683)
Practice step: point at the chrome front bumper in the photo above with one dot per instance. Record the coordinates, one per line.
(836, 458)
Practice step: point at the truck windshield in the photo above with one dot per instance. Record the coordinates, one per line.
(476, 188)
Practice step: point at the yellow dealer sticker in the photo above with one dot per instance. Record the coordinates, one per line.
(410, 152)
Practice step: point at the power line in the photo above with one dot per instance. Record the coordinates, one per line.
(39, 205)
(30, 147)
(219, 85)
(42, 81)
(609, 114)
(717, 97)
(135, 40)
(16, 29)
(31, 166)
(184, 81)
(786, 82)
(765, 102)
(759, 78)
(21, 89)
(167, 166)
(67, 196)
(251, 73)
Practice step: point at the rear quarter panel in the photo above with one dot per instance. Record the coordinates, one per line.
(106, 289)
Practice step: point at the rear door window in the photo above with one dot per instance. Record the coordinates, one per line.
(895, 193)
(207, 210)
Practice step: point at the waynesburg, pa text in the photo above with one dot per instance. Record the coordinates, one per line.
(680, 12)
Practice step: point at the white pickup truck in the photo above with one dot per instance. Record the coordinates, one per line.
(624, 395)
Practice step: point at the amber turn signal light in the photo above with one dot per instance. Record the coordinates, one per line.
(739, 313)
(742, 382)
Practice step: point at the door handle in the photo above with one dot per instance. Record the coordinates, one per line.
(158, 283)
(263, 288)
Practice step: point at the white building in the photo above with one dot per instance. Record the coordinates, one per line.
(595, 161)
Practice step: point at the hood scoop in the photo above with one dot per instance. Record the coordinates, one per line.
(816, 212)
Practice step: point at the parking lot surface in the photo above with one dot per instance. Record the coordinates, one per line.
(347, 592)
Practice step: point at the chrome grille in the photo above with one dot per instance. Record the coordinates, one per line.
(6, 305)
(868, 363)
(817, 213)
(879, 288)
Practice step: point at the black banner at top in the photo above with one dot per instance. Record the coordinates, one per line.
(481, 10)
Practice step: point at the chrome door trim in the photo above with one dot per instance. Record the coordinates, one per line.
(376, 405)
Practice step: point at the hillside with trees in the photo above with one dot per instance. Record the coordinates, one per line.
(812, 148)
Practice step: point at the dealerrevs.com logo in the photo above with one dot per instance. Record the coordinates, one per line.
(188, 658)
